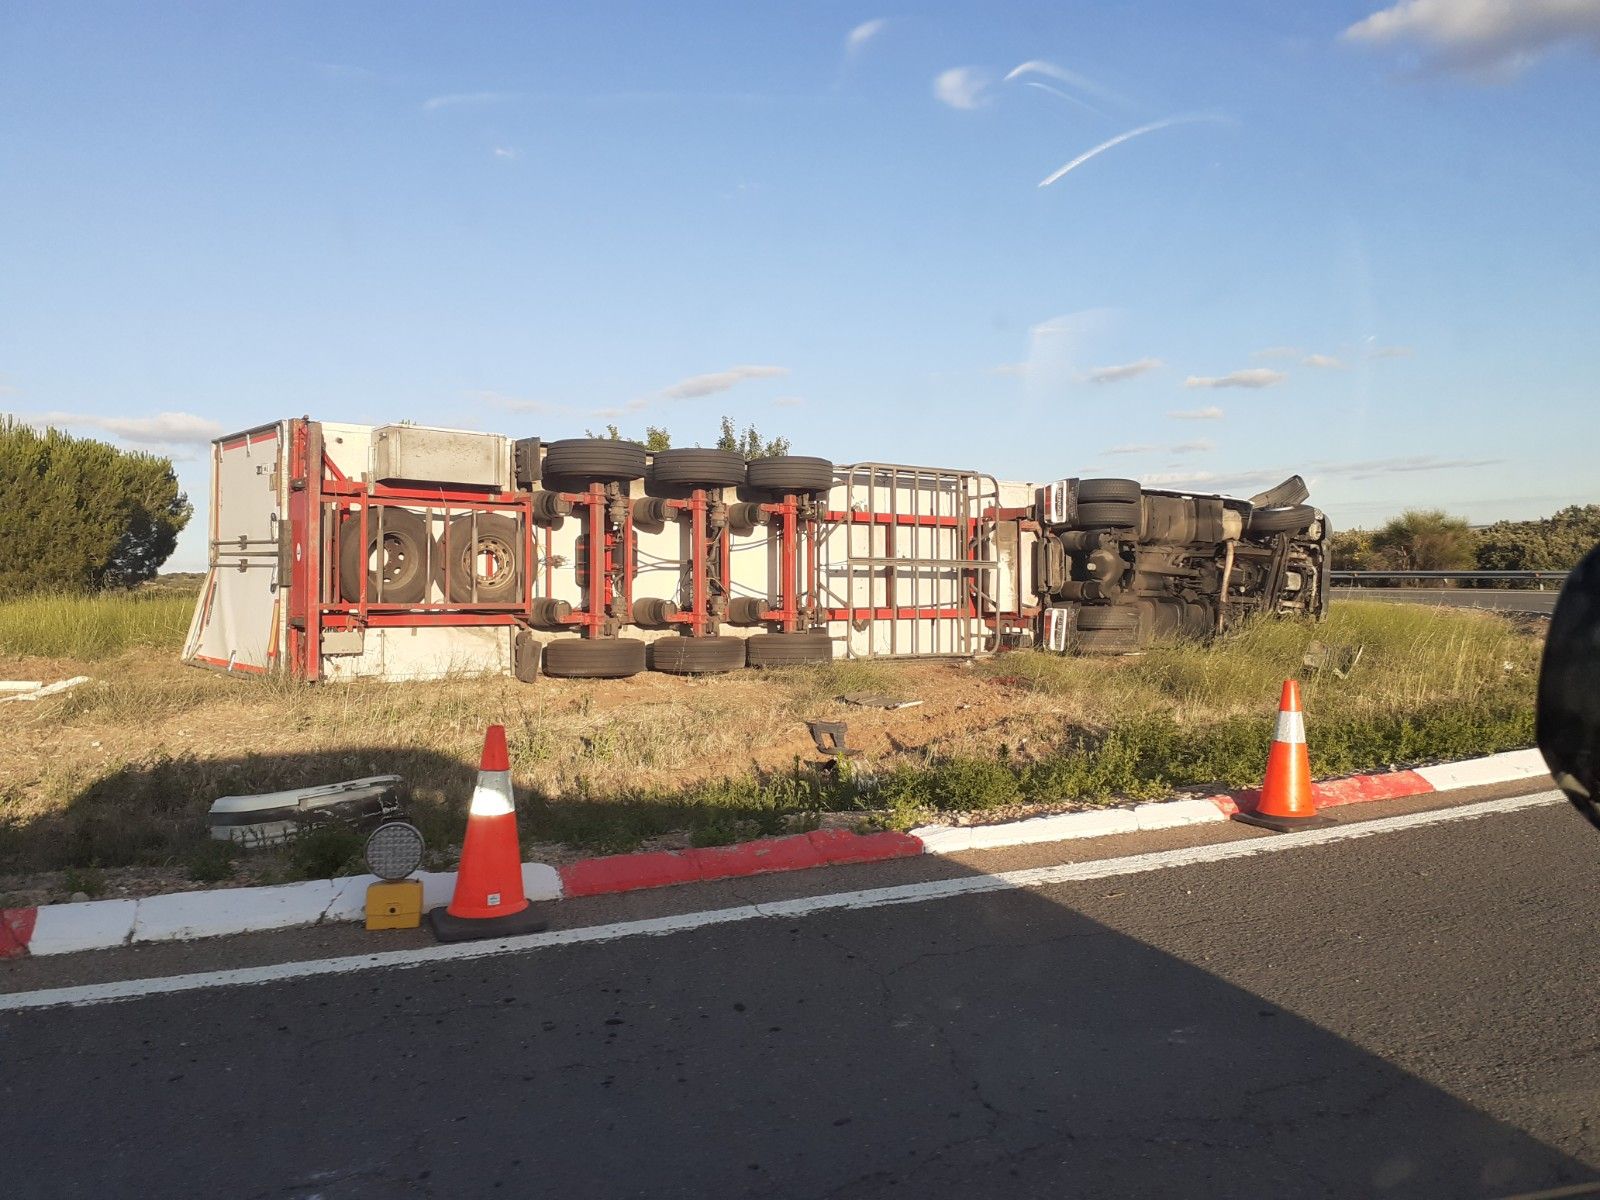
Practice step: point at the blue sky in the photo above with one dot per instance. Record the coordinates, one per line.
(1366, 249)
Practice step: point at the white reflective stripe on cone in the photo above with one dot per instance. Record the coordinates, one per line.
(492, 796)
(1291, 727)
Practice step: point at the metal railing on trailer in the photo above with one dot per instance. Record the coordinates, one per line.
(919, 558)
(327, 506)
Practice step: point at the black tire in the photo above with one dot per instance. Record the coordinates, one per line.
(1091, 491)
(1108, 641)
(745, 610)
(654, 612)
(1108, 514)
(525, 658)
(697, 655)
(696, 468)
(789, 649)
(1106, 617)
(790, 473)
(1291, 518)
(594, 458)
(499, 546)
(594, 658)
(408, 549)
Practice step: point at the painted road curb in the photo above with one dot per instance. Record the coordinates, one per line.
(103, 924)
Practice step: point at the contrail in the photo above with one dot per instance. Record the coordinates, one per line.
(1122, 137)
(1045, 87)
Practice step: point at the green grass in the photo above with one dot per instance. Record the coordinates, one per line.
(95, 627)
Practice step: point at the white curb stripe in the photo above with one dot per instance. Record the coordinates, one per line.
(1496, 768)
(916, 893)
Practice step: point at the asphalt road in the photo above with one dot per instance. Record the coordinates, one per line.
(1507, 600)
(1411, 1013)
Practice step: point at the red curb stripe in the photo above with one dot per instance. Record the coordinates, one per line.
(16, 930)
(631, 872)
(1354, 789)
(1358, 789)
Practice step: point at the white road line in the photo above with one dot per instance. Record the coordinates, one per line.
(911, 893)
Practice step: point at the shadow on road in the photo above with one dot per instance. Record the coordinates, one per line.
(1004, 1044)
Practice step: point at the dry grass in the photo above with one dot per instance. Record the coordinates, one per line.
(120, 771)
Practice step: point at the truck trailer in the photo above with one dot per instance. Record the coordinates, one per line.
(341, 551)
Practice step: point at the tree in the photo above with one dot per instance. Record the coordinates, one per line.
(1351, 550)
(1425, 540)
(655, 438)
(1554, 543)
(750, 443)
(79, 515)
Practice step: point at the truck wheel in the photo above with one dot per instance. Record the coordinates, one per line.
(525, 657)
(594, 658)
(495, 560)
(1107, 641)
(1091, 491)
(1107, 617)
(654, 612)
(1291, 518)
(790, 473)
(789, 649)
(1108, 514)
(599, 459)
(402, 562)
(693, 468)
(697, 655)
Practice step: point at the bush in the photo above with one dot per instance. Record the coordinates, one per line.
(79, 515)
(327, 852)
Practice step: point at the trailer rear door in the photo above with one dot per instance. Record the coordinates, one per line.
(238, 624)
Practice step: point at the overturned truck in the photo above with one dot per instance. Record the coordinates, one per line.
(342, 551)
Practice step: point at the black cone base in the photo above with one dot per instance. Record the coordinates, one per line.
(1284, 824)
(467, 929)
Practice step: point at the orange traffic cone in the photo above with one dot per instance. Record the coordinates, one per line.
(488, 900)
(1286, 801)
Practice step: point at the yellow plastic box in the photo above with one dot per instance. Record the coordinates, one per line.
(396, 905)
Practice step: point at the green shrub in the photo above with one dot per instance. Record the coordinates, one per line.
(327, 852)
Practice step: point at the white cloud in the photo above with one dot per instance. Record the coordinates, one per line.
(1354, 469)
(520, 405)
(1487, 39)
(504, 152)
(1123, 371)
(1210, 413)
(1391, 352)
(1325, 362)
(465, 99)
(962, 87)
(713, 382)
(864, 33)
(163, 429)
(1251, 377)
(1377, 468)
(1197, 446)
(1277, 352)
(1211, 481)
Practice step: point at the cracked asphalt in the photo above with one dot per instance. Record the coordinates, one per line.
(1406, 1015)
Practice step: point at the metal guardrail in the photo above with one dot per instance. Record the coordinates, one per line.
(1539, 577)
